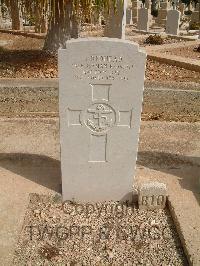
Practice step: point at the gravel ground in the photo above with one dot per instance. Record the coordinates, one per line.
(135, 37)
(162, 101)
(188, 51)
(18, 42)
(101, 234)
(22, 57)
(164, 72)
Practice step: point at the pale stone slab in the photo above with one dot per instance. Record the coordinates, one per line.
(100, 92)
(173, 21)
(128, 16)
(143, 19)
(152, 196)
(116, 20)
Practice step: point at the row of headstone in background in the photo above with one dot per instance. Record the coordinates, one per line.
(136, 6)
(173, 21)
(170, 18)
(162, 7)
(116, 21)
(168, 15)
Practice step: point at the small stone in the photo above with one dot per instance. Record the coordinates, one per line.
(152, 196)
(36, 212)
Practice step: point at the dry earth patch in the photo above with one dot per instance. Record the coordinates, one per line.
(22, 57)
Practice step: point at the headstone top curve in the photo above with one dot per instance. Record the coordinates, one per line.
(104, 39)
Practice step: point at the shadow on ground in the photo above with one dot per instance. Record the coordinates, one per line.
(186, 168)
(27, 63)
(46, 171)
(20, 57)
(40, 169)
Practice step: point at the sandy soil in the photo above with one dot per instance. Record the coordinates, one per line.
(22, 57)
(188, 52)
(18, 42)
(164, 72)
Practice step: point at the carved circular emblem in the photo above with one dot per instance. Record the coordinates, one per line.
(100, 117)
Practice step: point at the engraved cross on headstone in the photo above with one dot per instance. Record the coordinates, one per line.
(99, 115)
(99, 118)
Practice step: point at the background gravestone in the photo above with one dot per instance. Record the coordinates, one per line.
(116, 21)
(173, 21)
(143, 19)
(128, 15)
(100, 92)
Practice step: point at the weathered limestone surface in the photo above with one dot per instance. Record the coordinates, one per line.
(143, 19)
(128, 16)
(173, 21)
(152, 196)
(116, 21)
(101, 90)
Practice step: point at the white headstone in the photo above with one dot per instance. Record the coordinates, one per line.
(100, 93)
(143, 19)
(128, 16)
(116, 21)
(173, 21)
